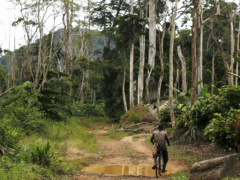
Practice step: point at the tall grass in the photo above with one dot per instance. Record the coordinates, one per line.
(43, 156)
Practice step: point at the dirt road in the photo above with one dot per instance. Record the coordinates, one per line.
(131, 155)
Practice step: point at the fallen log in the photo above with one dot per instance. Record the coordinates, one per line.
(216, 169)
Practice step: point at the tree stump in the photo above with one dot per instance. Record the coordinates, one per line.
(216, 169)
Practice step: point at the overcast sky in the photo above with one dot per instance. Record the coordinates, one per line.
(8, 14)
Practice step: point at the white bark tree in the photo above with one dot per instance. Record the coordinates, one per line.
(161, 46)
(142, 6)
(194, 54)
(131, 86)
(173, 21)
(152, 44)
(184, 70)
(232, 46)
(237, 53)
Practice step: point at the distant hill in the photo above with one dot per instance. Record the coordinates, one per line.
(97, 44)
(3, 62)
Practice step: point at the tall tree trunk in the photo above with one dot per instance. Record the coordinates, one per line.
(238, 37)
(171, 64)
(141, 69)
(184, 71)
(194, 55)
(39, 61)
(123, 90)
(232, 47)
(176, 83)
(141, 60)
(200, 47)
(81, 93)
(66, 31)
(131, 86)
(152, 44)
(49, 62)
(161, 44)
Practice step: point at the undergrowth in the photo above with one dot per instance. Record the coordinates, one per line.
(44, 155)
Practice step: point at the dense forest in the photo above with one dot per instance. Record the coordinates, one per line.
(116, 58)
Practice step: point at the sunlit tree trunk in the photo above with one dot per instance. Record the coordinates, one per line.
(200, 46)
(238, 36)
(184, 71)
(152, 44)
(171, 64)
(232, 47)
(39, 61)
(123, 90)
(194, 55)
(131, 86)
(141, 59)
(161, 44)
(66, 31)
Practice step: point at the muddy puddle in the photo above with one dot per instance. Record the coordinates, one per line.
(134, 170)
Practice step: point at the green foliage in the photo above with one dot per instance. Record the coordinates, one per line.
(134, 118)
(128, 28)
(73, 134)
(180, 176)
(9, 135)
(164, 115)
(3, 79)
(19, 114)
(204, 94)
(55, 98)
(224, 130)
(112, 84)
(34, 162)
(202, 112)
(16, 170)
(86, 110)
(40, 154)
(230, 97)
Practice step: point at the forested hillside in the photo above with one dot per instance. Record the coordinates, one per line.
(113, 63)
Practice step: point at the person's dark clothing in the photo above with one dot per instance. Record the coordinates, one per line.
(160, 137)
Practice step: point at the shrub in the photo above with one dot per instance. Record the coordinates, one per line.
(9, 136)
(86, 110)
(137, 114)
(55, 99)
(202, 112)
(19, 113)
(134, 118)
(224, 131)
(40, 154)
(164, 115)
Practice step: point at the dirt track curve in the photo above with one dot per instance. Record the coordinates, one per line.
(129, 151)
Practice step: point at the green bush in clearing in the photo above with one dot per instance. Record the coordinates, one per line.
(134, 118)
(224, 131)
(164, 115)
(86, 110)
